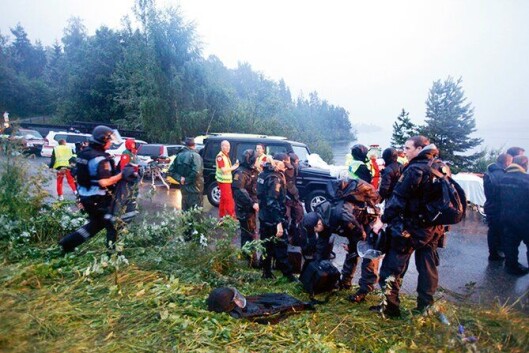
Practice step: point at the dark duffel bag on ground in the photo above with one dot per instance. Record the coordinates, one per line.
(319, 277)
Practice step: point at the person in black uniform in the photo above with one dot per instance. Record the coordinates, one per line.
(96, 176)
(492, 207)
(244, 187)
(271, 192)
(390, 174)
(514, 214)
(408, 232)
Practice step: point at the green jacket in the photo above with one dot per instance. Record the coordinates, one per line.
(188, 164)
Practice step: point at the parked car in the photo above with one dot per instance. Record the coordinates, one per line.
(31, 141)
(73, 139)
(117, 149)
(311, 182)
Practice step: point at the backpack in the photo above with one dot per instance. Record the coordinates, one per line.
(446, 202)
(319, 277)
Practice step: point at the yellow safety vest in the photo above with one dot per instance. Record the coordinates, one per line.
(353, 168)
(63, 154)
(219, 175)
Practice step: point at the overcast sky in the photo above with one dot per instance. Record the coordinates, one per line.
(371, 57)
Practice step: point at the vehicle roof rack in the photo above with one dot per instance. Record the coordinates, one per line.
(235, 134)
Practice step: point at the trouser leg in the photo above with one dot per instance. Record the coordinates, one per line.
(70, 180)
(426, 260)
(350, 262)
(494, 237)
(392, 271)
(510, 248)
(369, 276)
(191, 199)
(60, 178)
(247, 226)
(71, 241)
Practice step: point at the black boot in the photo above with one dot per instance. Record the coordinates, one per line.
(516, 269)
(358, 297)
(386, 310)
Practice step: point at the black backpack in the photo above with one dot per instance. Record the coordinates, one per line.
(446, 202)
(319, 277)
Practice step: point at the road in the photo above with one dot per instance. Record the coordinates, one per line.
(465, 273)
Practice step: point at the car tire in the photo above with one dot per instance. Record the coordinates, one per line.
(315, 198)
(213, 194)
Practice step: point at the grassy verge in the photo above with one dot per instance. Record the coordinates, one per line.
(152, 299)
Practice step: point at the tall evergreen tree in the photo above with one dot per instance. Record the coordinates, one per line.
(450, 122)
(403, 128)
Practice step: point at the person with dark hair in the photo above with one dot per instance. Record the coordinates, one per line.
(188, 170)
(515, 151)
(409, 233)
(96, 176)
(391, 172)
(272, 192)
(293, 203)
(358, 168)
(492, 207)
(244, 189)
(514, 201)
(60, 161)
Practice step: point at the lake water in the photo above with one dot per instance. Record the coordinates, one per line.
(503, 137)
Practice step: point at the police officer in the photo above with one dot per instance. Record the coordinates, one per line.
(244, 189)
(514, 215)
(408, 232)
(492, 207)
(390, 174)
(357, 166)
(96, 176)
(271, 192)
(349, 217)
(188, 170)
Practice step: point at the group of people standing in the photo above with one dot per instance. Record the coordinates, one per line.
(506, 185)
(263, 187)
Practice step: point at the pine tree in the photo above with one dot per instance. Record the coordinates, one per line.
(403, 129)
(450, 122)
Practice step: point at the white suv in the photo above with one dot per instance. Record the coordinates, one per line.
(72, 139)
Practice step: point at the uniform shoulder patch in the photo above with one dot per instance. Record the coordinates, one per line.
(219, 158)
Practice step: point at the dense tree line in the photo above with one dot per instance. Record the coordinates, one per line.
(152, 77)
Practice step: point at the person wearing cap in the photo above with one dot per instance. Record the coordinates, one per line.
(96, 177)
(188, 170)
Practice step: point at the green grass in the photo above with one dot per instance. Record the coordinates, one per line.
(49, 303)
(85, 302)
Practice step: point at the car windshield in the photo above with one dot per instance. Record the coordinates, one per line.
(30, 134)
(302, 152)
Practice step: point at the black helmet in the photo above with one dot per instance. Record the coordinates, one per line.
(359, 152)
(220, 300)
(101, 134)
(249, 158)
